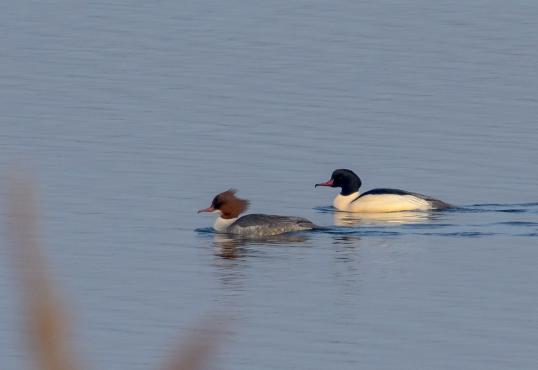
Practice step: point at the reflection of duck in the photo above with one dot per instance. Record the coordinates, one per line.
(353, 219)
(232, 246)
(376, 200)
(346, 239)
(229, 207)
(227, 247)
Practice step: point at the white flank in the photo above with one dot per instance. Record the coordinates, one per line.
(381, 203)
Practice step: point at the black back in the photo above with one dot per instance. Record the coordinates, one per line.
(389, 191)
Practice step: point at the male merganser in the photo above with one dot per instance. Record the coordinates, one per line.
(376, 200)
(229, 207)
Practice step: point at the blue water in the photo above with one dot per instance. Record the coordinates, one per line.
(132, 116)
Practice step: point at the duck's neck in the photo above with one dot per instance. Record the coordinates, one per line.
(341, 202)
(222, 224)
(351, 185)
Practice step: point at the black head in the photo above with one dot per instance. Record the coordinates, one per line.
(345, 179)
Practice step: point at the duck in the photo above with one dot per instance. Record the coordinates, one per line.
(376, 200)
(228, 207)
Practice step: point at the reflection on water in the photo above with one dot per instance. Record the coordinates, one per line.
(227, 247)
(231, 247)
(235, 257)
(354, 219)
(345, 239)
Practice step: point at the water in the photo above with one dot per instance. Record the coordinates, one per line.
(134, 115)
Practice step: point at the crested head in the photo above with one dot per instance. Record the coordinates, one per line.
(229, 205)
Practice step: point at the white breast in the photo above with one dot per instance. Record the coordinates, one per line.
(341, 202)
(222, 224)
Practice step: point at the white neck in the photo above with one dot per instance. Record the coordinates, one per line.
(222, 224)
(341, 202)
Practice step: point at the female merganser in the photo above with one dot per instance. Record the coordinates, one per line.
(376, 200)
(229, 207)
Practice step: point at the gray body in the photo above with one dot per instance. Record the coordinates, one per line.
(266, 225)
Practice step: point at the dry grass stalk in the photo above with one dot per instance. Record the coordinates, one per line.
(195, 354)
(46, 316)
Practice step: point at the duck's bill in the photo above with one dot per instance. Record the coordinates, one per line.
(326, 183)
(209, 209)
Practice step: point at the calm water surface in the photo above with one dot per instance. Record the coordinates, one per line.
(133, 115)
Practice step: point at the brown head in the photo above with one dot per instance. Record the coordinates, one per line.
(227, 204)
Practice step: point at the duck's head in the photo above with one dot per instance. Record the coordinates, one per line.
(227, 205)
(345, 179)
